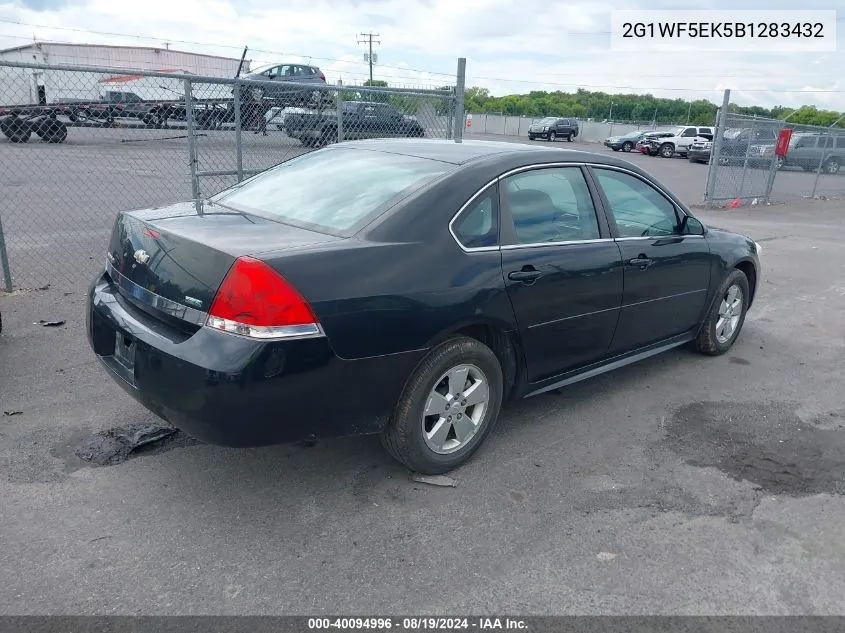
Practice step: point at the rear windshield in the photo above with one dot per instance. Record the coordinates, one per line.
(335, 190)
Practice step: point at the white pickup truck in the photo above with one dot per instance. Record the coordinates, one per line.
(681, 139)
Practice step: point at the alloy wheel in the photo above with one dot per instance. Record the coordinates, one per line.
(730, 313)
(455, 409)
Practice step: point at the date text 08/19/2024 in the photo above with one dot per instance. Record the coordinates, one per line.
(417, 623)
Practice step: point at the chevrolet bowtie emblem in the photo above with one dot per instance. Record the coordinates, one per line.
(142, 256)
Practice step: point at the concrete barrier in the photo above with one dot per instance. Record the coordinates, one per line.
(590, 131)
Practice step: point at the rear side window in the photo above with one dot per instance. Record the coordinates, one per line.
(335, 191)
(478, 225)
(840, 142)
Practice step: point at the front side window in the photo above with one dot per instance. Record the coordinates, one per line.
(550, 205)
(332, 190)
(638, 208)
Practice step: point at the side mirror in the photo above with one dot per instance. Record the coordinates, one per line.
(691, 226)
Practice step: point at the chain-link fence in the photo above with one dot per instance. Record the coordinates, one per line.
(81, 144)
(813, 166)
(589, 131)
(745, 166)
(742, 158)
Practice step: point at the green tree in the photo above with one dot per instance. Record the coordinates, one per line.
(631, 107)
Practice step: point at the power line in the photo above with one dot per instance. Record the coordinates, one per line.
(369, 42)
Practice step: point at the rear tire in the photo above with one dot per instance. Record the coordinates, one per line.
(460, 366)
(832, 166)
(726, 317)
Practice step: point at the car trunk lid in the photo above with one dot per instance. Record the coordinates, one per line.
(171, 260)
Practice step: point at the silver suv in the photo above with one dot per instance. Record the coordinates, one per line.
(293, 84)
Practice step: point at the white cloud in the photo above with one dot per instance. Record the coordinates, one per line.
(511, 47)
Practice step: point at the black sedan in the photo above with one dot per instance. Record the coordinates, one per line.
(427, 285)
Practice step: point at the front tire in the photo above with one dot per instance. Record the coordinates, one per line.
(726, 317)
(552, 137)
(667, 150)
(627, 146)
(448, 407)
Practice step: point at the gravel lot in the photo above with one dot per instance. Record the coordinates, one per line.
(682, 485)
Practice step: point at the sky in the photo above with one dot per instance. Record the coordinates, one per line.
(511, 47)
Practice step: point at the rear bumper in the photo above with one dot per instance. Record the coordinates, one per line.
(698, 154)
(232, 391)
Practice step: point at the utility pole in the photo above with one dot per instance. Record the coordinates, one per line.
(369, 41)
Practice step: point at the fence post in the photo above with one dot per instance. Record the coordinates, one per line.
(460, 115)
(339, 114)
(770, 179)
(745, 161)
(4, 261)
(827, 142)
(192, 146)
(716, 150)
(239, 156)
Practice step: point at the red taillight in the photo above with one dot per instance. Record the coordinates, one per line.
(151, 233)
(256, 301)
(322, 76)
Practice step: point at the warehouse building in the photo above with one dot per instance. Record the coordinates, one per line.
(36, 86)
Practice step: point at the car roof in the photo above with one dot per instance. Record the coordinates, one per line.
(472, 150)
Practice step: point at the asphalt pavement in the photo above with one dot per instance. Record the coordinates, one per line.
(681, 485)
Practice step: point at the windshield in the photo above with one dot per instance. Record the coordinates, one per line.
(548, 119)
(335, 190)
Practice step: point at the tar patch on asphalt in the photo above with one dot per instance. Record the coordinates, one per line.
(768, 445)
(116, 445)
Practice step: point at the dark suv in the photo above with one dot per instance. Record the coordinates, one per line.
(552, 128)
(808, 150)
(293, 84)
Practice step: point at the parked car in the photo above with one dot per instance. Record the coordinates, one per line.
(808, 150)
(293, 84)
(747, 144)
(626, 142)
(680, 138)
(699, 151)
(361, 119)
(649, 144)
(407, 288)
(552, 128)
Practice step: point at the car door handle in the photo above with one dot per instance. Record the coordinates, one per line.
(642, 261)
(526, 275)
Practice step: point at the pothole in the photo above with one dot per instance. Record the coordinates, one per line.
(768, 445)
